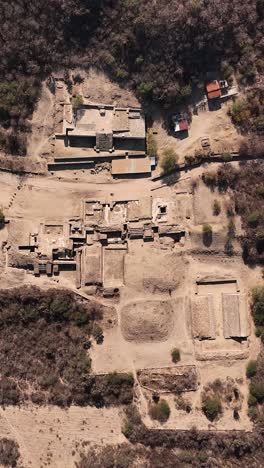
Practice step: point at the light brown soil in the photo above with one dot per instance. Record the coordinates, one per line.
(54, 436)
(147, 321)
(216, 125)
(99, 89)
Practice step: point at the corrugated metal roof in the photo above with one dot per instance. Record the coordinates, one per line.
(213, 89)
(183, 125)
(131, 166)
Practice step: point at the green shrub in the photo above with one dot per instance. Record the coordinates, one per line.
(48, 380)
(240, 112)
(169, 160)
(260, 191)
(202, 456)
(216, 208)
(259, 331)
(258, 305)
(77, 102)
(252, 401)
(227, 157)
(81, 318)
(139, 60)
(175, 355)
(115, 378)
(212, 408)
(59, 309)
(259, 123)
(207, 229)
(251, 369)
(229, 248)
(160, 411)
(121, 74)
(2, 219)
(231, 229)
(257, 390)
(253, 218)
(97, 333)
(145, 89)
(186, 456)
(127, 428)
(210, 179)
(152, 146)
(253, 413)
(182, 404)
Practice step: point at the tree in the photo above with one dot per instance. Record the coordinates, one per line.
(253, 218)
(77, 102)
(2, 219)
(175, 355)
(216, 208)
(152, 147)
(251, 369)
(257, 390)
(160, 411)
(207, 234)
(212, 408)
(145, 89)
(240, 112)
(169, 160)
(258, 305)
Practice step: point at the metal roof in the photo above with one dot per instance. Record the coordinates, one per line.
(131, 166)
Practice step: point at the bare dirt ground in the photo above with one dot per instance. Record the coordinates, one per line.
(98, 88)
(215, 125)
(42, 125)
(53, 437)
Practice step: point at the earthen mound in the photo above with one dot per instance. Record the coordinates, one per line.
(147, 321)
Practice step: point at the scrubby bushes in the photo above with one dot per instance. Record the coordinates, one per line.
(9, 452)
(216, 208)
(152, 146)
(207, 234)
(212, 408)
(254, 218)
(160, 411)
(258, 305)
(251, 369)
(43, 351)
(175, 355)
(225, 177)
(77, 102)
(169, 160)
(2, 219)
(248, 112)
(257, 391)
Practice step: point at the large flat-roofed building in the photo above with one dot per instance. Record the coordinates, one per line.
(131, 166)
(103, 133)
(104, 129)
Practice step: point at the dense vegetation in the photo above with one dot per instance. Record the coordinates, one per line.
(44, 338)
(156, 448)
(255, 369)
(247, 191)
(164, 50)
(9, 453)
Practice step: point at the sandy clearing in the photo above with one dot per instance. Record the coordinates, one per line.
(42, 123)
(216, 125)
(54, 434)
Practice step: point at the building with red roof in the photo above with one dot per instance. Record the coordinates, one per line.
(213, 90)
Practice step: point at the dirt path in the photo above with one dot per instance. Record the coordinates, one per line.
(41, 124)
